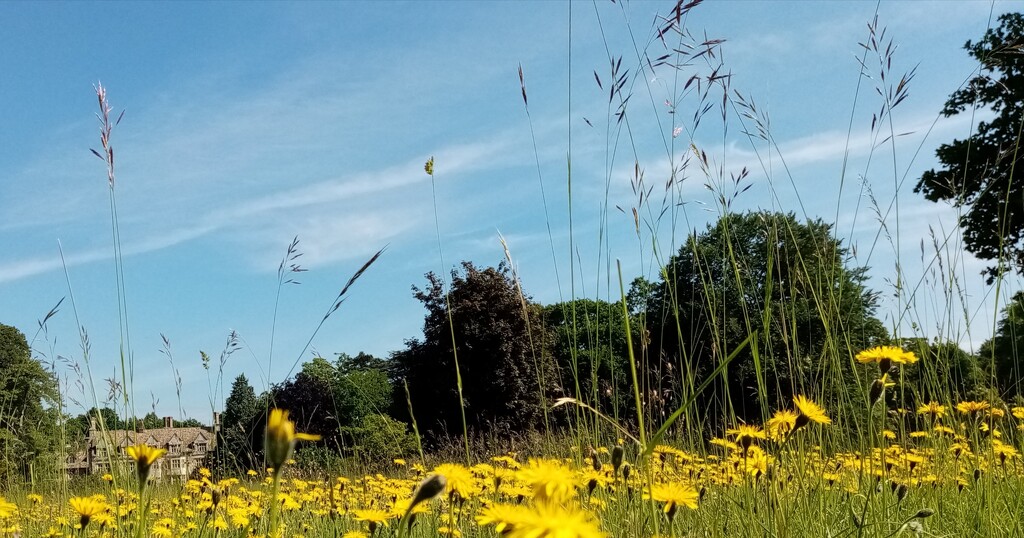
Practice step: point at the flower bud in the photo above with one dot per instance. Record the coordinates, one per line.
(617, 454)
(430, 487)
(281, 438)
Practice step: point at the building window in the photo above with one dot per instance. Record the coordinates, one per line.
(174, 449)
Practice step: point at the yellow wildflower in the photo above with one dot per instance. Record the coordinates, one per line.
(550, 481)
(281, 438)
(781, 423)
(459, 480)
(144, 456)
(934, 409)
(373, 518)
(87, 508)
(808, 411)
(970, 408)
(542, 520)
(746, 434)
(674, 495)
(886, 356)
(7, 509)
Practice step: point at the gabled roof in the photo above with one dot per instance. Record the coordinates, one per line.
(158, 437)
(78, 460)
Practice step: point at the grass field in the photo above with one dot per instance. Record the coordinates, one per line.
(958, 475)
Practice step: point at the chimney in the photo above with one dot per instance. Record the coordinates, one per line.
(168, 422)
(216, 423)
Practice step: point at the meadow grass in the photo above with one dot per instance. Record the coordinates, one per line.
(945, 466)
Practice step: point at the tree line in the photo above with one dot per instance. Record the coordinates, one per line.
(775, 299)
(759, 304)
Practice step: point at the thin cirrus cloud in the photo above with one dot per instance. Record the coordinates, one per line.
(311, 208)
(832, 146)
(201, 146)
(25, 268)
(826, 148)
(195, 159)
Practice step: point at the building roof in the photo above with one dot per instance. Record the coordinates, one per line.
(77, 460)
(158, 437)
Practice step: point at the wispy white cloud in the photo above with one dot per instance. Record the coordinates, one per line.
(833, 146)
(330, 233)
(218, 153)
(33, 266)
(16, 270)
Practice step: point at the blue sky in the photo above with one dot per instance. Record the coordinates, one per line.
(249, 124)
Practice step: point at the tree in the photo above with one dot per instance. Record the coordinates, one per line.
(361, 362)
(241, 404)
(502, 354)
(105, 418)
(332, 400)
(190, 423)
(238, 444)
(1001, 354)
(328, 399)
(978, 173)
(590, 352)
(639, 296)
(362, 389)
(944, 373)
(151, 421)
(310, 397)
(28, 397)
(757, 273)
(381, 438)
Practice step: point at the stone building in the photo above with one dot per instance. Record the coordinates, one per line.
(186, 449)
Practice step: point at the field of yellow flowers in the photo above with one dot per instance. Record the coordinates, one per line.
(959, 474)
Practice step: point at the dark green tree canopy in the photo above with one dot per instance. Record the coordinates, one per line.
(944, 373)
(977, 174)
(757, 272)
(28, 394)
(331, 399)
(1001, 354)
(590, 354)
(310, 398)
(327, 398)
(241, 404)
(240, 427)
(502, 356)
(363, 388)
(151, 420)
(104, 419)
